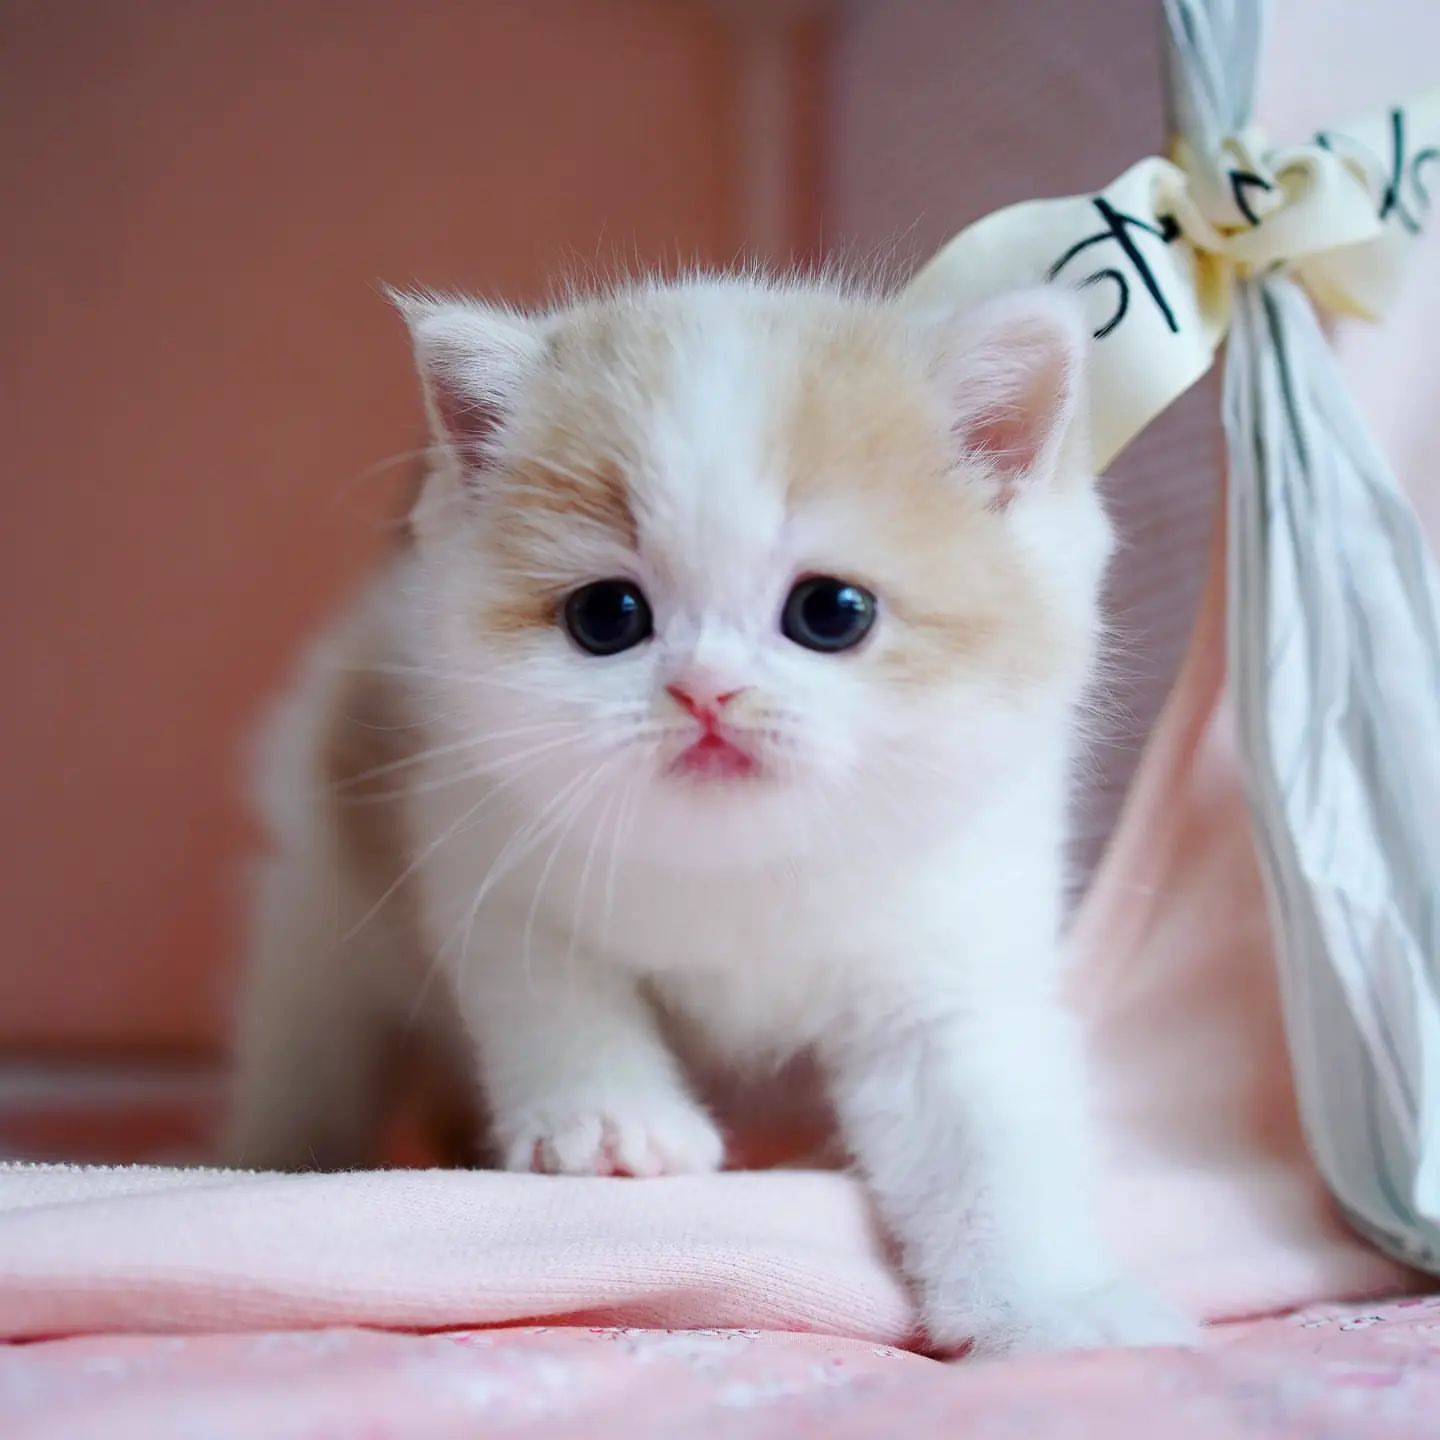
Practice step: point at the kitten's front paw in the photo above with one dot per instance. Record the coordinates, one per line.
(641, 1136)
(1116, 1314)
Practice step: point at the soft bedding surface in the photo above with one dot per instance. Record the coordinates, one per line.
(162, 1303)
(134, 1249)
(1331, 1372)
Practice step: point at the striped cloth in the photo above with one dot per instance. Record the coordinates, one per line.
(1334, 661)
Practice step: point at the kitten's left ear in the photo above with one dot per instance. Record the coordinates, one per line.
(472, 360)
(1014, 369)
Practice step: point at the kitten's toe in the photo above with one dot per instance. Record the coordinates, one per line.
(1117, 1314)
(645, 1137)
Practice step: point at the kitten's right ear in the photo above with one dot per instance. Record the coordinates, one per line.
(472, 359)
(1015, 371)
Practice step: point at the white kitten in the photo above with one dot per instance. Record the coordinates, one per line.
(729, 684)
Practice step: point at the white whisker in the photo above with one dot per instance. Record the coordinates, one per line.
(492, 769)
(464, 823)
(435, 752)
(624, 815)
(515, 849)
(577, 808)
(611, 803)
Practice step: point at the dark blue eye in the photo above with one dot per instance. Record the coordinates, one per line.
(823, 613)
(608, 616)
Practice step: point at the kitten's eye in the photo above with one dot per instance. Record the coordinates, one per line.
(608, 616)
(823, 613)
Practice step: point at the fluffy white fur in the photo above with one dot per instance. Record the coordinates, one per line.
(885, 896)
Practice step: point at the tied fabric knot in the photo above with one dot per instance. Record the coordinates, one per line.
(1159, 252)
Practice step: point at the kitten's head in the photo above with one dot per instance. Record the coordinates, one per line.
(726, 571)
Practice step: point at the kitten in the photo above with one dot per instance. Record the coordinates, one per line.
(730, 684)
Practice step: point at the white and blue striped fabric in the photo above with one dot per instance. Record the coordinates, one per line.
(1334, 664)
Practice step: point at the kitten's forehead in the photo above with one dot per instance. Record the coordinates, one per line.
(724, 410)
(709, 482)
(682, 389)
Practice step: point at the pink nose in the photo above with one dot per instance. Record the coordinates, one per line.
(703, 704)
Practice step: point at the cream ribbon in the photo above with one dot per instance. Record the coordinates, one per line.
(1158, 252)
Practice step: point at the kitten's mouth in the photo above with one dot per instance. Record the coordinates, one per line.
(713, 757)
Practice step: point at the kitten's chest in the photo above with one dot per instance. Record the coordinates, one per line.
(763, 968)
(698, 923)
(748, 1013)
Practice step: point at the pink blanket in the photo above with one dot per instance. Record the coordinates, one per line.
(138, 1249)
(1339, 1373)
(215, 1304)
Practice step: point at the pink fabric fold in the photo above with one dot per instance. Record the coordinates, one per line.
(94, 1250)
(91, 1250)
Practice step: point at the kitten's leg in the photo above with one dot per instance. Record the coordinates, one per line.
(310, 1046)
(576, 1076)
(973, 1131)
(328, 981)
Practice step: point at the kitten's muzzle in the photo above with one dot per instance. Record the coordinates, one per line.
(714, 755)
